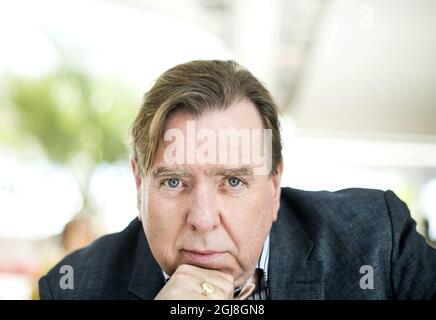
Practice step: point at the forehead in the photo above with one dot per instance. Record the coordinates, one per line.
(216, 140)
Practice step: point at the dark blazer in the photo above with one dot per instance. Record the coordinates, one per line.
(319, 243)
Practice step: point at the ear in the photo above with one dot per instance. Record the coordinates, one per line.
(138, 181)
(277, 180)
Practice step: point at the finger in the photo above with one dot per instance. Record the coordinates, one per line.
(194, 270)
(216, 278)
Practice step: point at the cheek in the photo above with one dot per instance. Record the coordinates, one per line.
(251, 222)
(162, 222)
(257, 211)
(160, 218)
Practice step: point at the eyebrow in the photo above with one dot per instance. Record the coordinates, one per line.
(166, 171)
(226, 172)
(241, 171)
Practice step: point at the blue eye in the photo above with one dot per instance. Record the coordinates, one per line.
(234, 182)
(172, 182)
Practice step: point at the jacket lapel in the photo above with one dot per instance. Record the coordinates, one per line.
(292, 274)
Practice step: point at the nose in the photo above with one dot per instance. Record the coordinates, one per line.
(203, 215)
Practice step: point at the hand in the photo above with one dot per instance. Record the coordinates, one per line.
(186, 281)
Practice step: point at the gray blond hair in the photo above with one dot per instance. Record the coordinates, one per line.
(196, 87)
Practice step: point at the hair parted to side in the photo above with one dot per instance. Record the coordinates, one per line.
(195, 87)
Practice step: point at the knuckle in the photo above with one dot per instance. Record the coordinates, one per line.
(182, 267)
(227, 276)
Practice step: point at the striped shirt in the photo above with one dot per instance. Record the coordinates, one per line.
(261, 291)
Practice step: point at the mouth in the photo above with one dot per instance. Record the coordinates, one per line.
(202, 257)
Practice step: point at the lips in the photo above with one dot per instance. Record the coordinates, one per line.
(202, 257)
(203, 252)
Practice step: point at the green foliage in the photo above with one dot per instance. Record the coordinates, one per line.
(78, 120)
(69, 112)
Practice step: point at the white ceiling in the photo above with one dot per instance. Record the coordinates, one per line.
(368, 66)
(372, 69)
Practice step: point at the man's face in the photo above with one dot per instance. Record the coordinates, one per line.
(211, 215)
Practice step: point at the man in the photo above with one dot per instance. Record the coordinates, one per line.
(214, 222)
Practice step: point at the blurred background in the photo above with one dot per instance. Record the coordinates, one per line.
(355, 80)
